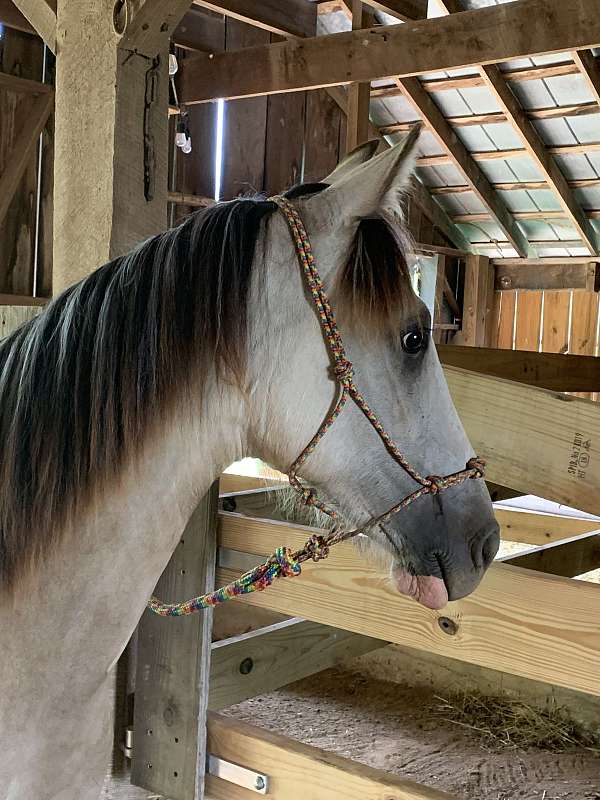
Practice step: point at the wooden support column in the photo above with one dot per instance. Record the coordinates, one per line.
(111, 131)
(173, 667)
(359, 94)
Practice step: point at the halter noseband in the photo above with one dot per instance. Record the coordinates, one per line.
(284, 563)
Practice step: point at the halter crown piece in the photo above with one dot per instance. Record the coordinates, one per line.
(285, 563)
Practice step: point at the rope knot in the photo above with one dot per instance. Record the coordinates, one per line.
(317, 547)
(308, 495)
(434, 484)
(344, 371)
(477, 465)
(288, 565)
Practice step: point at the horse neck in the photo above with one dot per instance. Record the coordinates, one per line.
(95, 585)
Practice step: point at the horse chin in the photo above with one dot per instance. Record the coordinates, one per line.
(427, 590)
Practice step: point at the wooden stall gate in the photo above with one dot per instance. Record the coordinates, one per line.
(528, 618)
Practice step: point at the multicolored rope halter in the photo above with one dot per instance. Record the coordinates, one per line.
(285, 563)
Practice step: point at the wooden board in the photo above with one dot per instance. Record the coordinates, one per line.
(555, 330)
(533, 440)
(534, 277)
(539, 626)
(569, 558)
(11, 317)
(299, 772)
(529, 317)
(584, 328)
(295, 17)
(487, 35)
(539, 529)
(229, 482)
(244, 127)
(321, 137)
(477, 301)
(173, 666)
(264, 660)
(506, 323)
(562, 373)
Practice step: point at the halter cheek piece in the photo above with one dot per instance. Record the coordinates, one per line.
(284, 563)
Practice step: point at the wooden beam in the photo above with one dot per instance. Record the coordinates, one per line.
(297, 771)
(41, 14)
(269, 658)
(173, 663)
(487, 35)
(575, 556)
(530, 624)
(11, 17)
(539, 529)
(405, 10)
(560, 373)
(438, 216)
(146, 24)
(557, 277)
(588, 66)
(540, 156)
(183, 199)
(34, 115)
(22, 300)
(289, 18)
(359, 94)
(424, 105)
(14, 83)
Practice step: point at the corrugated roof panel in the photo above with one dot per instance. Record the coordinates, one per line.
(540, 230)
(446, 174)
(475, 139)
(586, 128)
(451, 103)
(479, 99)
(545, 199)
(503, 135)
(580, 167)
(464, 203)
(510, 170)
(588, 197)
(551, 58)
(478, 231)
(399, 107)
(519, 200)
(382, 113)
(532, 94)
(555, 131)
(566, 89)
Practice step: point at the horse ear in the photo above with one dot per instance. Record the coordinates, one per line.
(353, 159)
(375, 186)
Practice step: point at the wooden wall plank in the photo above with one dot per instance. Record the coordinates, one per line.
(285, 141)
(584, 322)
(245, 126)
(530, 624)
(173, 666)
(555, 331)
(529, 314)
(299, 772)
(322, 135)
(508, 304)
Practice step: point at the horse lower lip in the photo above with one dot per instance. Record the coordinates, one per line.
(427, 590)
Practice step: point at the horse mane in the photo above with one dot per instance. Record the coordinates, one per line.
(83, 382)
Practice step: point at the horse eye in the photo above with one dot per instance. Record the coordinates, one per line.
(413, 341)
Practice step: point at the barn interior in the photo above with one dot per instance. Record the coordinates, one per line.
(120, 119)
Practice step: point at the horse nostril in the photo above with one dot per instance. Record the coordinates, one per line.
(485, 547)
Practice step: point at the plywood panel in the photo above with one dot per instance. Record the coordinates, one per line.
(555, 332)
(529, 312)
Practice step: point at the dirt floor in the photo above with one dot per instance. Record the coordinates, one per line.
(400, 730)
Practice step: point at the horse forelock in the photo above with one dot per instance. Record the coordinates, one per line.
(81, 384)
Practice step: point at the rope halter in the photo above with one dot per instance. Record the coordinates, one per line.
(284, 563)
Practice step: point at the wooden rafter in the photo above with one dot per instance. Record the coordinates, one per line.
(539, 154)
(41, 14)
(586, 183)
(292, 18)
(588, 66)
(424, 105)
(487, 35)
(34, 115)
(401, 9)
(12, 17)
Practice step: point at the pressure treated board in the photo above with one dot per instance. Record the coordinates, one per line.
(555, 329)
(534, 440)
(266, 659)
(529, 313)
(506, 322)
(538, 529)
(539, 626)
(569, 558)
(299, 772)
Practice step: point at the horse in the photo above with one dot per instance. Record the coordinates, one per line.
(125, 399)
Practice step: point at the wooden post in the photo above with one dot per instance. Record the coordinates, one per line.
(173, 667)
(111, 130)
(359, 94)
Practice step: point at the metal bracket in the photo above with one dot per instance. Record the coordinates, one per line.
(240, 776)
